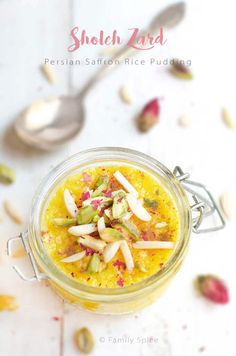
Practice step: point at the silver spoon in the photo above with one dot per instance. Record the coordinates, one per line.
(52, 122)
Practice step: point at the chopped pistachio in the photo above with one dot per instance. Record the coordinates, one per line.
(99, 201)
(86, 215)
(64, 221)
(7, 174)
(96, 218)
(100, 185)
(92, 242)
(84, 340)
(110, 235)
(120, 205)
(94, 264)
(132, 228)
(150, 203)
(8, 302)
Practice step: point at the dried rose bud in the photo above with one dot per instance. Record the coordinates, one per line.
(149, 116)
(213, 288)
(180, 70)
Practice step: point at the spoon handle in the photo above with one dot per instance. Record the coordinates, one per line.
(168, 18)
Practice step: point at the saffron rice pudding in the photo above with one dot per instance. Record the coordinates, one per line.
(110, 226)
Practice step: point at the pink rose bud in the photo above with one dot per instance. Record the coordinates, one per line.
(149, 116)
(213, 288)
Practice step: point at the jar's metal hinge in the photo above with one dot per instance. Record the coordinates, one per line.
(23, 237)
(204, 204)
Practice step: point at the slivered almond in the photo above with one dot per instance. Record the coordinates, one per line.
(227, 118)
(184, 121)
(226, 204)
(49, 73)
(89, 241)
(153, 245)
(110, 250)
(160, 225)
(125, 183)
(101, 224)
(82, 229)
(125, 95)
(74, 258)
(13, 212)
(127, 255)
(137, 208)
(70, 204)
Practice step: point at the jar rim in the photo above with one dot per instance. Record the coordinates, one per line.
(61, 171)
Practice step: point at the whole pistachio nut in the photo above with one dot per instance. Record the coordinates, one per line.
(84, 340)
(7, 174)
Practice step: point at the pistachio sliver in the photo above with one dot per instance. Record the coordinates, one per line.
(84, 340)
(94, 201)
(110, 250)
(132, 228)
(86, 215)
(89, 241)
(94, 264)
(101, 184)
(153, 245)
(70, 203)
(82, 229)
(110, 235)
(120, 205)
(140, 266)
(150, 203)
(74, 258)
(7, 174)
(63, 221)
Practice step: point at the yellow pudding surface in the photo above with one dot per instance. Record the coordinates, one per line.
(59, 243)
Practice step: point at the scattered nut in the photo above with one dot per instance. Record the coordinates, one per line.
(84, 340)
(12, 212)
(184, 121)
(180, 70)
(125, 95)
(7, 174)
(7, 302)
(49, 73)
(228, 120)
(20, 252)
(160, 225)
(226, 204)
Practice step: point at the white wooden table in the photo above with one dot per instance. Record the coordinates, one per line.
(31, 30)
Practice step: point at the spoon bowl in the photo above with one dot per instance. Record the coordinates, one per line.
(48, 124)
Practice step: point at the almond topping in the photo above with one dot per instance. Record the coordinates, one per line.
(13, 212)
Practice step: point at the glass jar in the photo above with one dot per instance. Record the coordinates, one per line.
(139, 295)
